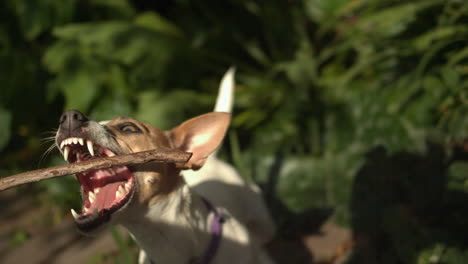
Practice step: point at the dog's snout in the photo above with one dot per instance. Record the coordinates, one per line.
(72, 119)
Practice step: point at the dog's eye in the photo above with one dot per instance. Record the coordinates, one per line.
(129, 128)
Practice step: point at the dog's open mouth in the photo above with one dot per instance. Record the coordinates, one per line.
(103, 191)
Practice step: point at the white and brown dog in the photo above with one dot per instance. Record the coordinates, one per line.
(210, 215)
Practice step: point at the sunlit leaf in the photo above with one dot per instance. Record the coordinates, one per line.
(157, 23)
(430, 38)
(36, 17)
(80, 89)
(393, 20)
(321, 10)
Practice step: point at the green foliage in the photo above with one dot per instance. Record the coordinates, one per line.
(124, 249)
(18, 238)
(5, 120)
(320, 82)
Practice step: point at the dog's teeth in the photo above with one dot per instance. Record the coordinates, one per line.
(62, 144)
(78, 156)
(127, 186)
(96, 191)
(75, 140)
(111, 155)
(89, 144)
(68, 141)
(80, 140)
(120, 192)
(75, 214)
(91, 196)
(66, 150)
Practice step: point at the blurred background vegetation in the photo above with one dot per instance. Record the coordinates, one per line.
(357, 106)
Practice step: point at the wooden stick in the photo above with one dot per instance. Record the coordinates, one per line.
(157, 155)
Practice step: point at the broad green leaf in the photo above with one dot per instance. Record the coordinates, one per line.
(79, 90)
(257, 53)
(433, 84)
(320, 10)
(92, 33)
(450, 77)
(303, 69)
(113, 105)
(458, 57)
(308, 182)
(118, 8)
(157, 23)
(35, 17)
(165, 110)
(391, 21)
(425, 41)
(58, 55)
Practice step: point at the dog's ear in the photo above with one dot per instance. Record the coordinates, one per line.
(201, 136)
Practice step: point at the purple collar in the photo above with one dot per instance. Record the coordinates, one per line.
(216, 234)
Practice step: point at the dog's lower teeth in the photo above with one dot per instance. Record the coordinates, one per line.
(91, 197)
(75, 214)
(120, 192)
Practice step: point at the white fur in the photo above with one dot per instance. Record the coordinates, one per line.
(225, 99)
(178, 228)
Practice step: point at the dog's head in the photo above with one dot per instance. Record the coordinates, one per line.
(115, 190)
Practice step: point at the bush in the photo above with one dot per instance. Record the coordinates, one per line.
(320, 83)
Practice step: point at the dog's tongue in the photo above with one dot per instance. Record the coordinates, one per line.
(106, 196)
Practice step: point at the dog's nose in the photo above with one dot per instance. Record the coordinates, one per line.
(72, 119)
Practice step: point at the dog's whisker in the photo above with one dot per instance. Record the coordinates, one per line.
(46, 153)
(51, 132)
(47, 140)
(155, 201)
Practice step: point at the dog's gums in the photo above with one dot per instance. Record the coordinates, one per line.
(196, 211)
(103, 191)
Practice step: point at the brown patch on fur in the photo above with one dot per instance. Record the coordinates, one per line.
(155, 180)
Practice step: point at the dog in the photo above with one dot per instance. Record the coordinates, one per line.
(202, 211)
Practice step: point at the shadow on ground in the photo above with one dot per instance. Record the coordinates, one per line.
(406, 208)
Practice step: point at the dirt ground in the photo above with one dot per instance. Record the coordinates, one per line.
(32, 234)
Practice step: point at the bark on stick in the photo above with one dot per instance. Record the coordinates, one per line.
(157, 155)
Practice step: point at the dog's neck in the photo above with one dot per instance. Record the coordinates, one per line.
(161, 229)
